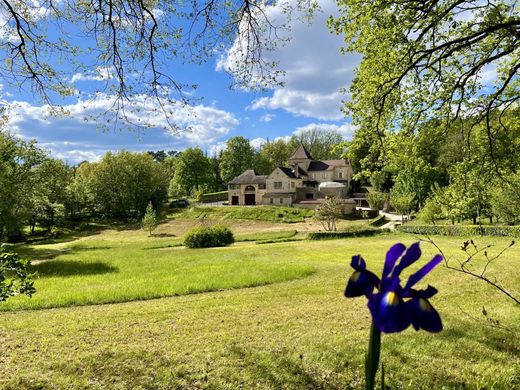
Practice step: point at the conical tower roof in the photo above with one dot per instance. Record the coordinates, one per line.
(301, 154)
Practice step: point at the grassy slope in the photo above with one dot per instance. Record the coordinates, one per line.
(257, 213)
(108, 269)
(295, 334)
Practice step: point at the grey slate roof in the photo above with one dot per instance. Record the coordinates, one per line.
(326, 165)
(301, 154)
(289, 172)
(249, 177)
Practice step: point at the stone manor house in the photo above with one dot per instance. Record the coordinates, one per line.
(304, 183)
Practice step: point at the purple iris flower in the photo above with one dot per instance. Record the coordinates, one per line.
(392, 306)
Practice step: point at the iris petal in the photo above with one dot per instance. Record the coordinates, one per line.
(423, 315)
(414, 278)
(361, 283)
(392, 256)
(389, 312)
(358, 263)
(411, 256)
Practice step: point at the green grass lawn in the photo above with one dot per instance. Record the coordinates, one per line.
(106, 271)
(257, 213)
(298, 334)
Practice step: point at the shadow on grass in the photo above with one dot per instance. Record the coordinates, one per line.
(281, 371)
(161, 235)
(71, 268)
(174, 245)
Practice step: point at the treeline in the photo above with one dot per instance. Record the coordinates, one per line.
(465, 171)
(37, 191)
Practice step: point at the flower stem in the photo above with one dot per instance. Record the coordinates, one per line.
(372, 357)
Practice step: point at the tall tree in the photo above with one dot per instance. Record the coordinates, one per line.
(236, 158)
(193, 172)
(319, 142)
(430, 59)
(18, 160)
(272, 154)
(49, 195)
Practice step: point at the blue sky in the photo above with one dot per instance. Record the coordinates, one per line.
(314, 73)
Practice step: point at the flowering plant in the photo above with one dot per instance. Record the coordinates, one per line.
(393, 307)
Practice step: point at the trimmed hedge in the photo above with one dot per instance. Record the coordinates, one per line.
(214, 197)
(378, 221)
(365, 232)
(209, 237)
(461, 230)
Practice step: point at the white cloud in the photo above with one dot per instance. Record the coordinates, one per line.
(346, 130)
(257, 143)
(101, 73)
(315, 71)
(267, 118)
(76, 135)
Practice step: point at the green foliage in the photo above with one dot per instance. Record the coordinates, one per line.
(380, 181)
(431, 211)
(272, 154)
(149, 221)
(353, 232)
(15, 276)
(121, 185)
(319, 142)
(462, 230)
(236, 158)
(50, 197)
(402, 202)
(17, 180)
(193, 172)
(414, 176)
(505, 199)
(209, 237)
(377, 200)
(405, 79)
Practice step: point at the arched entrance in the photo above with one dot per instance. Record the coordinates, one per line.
(250, 196)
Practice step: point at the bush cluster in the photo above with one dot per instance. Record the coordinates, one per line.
(364, 232)
(461, 230)
(209, 237)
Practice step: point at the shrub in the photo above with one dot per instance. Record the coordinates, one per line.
(364, 232)
(377, 200)
(462, 230)
(149, 221)
(209, 237)
(329, 212)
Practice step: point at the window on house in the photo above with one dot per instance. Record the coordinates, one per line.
(293, 184)
(271, 200)
(261, 186)
(277, 185)
(281, 200)
(340, 175)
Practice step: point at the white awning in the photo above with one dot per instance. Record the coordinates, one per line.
(331, 184)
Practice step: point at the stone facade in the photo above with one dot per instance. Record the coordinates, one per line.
(303, 183)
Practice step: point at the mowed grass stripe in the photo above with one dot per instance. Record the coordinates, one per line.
(131, 271)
